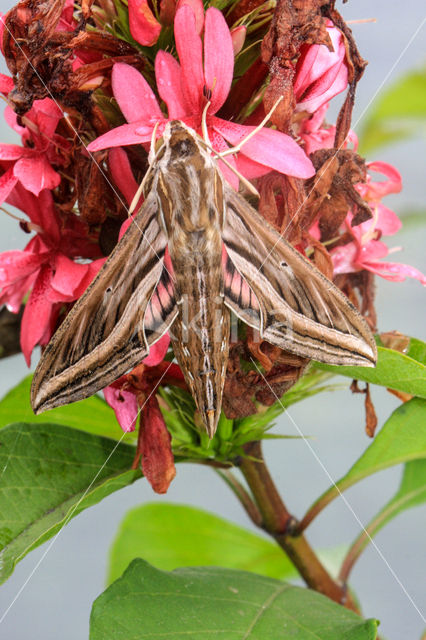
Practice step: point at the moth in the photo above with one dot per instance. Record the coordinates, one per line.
(195, 252)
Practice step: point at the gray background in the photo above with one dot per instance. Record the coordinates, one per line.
(56, 601)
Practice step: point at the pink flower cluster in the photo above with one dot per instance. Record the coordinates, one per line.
(367, 250)
(63, 256)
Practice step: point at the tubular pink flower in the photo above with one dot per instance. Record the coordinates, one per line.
(30, 165)
(124, 403)
(320, 73)
(238, 36)
(2, 28)
(45, 267)
(144, 27)
(184, 88)
(66, 21)
(6, 84)
(365, 251)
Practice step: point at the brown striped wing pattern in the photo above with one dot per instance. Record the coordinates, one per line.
(126, 309)
(290, 302)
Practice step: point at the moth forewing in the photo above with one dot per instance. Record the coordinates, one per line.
(299, 309)
(223, 256)
(104, 335)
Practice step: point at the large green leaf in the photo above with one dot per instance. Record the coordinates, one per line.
(50, 474)
(401, 439)
(212, 603)
(399, 113)
(396, 370)
(171, 536)
(411, 493)
(92, 415)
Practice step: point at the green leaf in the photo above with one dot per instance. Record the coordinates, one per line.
(171, 536)
(50, 474)
(412, 219)
(401, 439)
(92, 415)
(400, 371)
(212, 603)
(411, 493)
(399, 113)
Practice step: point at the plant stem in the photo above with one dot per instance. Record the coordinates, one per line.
(243, 496)
(280, 524)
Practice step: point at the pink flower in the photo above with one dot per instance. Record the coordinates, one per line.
(320, 73)
(366, 250)
(30, 165)
(184, 88)
(2, 28)
(45, 267)
(6, 84)
(66, 21)
(317, 135)
(144, 28)
(133, 395)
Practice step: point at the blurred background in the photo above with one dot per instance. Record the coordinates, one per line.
(56, 600)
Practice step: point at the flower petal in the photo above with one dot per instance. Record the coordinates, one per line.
(320, 73)
(144, 28)
(15, 265)
(344, 258)
(125, 406)
(249, 168)
(46, 115)
(36, 174)
(395, 271)
(157, 351)
(387, 221)
(122, 173)
(37, 313)
(135, 97)
(373, 190)
(11, 151)
(188, 45)
(13, 294)
(219, 144)
(157, 458)
(198, 11)
(7, 183)
(218, 58)
(268, 147)
(67, 279)
(134, 133)
(238, 36)
(169, 81)
(373, 250)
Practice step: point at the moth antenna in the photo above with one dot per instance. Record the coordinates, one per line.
(260, 126)
(151, 159)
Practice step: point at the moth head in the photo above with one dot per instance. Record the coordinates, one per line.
(181, 140)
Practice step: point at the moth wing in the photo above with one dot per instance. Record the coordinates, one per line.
(105, 333)
(294, 306)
